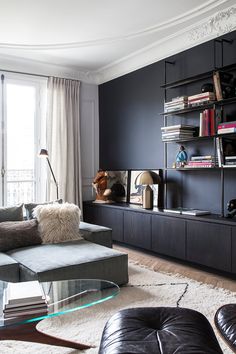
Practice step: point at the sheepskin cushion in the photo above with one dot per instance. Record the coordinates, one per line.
(58, 222)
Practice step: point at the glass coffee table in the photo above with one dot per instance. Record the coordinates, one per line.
(62, 297)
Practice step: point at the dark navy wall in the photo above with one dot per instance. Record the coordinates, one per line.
(130, 134)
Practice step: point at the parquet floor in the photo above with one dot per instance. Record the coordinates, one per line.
(174, 267)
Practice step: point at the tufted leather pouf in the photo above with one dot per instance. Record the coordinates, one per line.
(159, 330)
(225, 321)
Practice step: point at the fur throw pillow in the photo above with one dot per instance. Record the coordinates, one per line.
(58, 222)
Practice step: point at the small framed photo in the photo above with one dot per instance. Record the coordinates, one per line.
(118, 184)
(136, 190)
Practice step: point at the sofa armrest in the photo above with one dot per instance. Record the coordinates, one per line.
(97, 234)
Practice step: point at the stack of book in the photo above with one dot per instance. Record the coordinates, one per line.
(201, 98)
(230, 161)
(187, 211)
(176, 103)
(23, 300)
(178, 132)
(227, 127)
(207, 123)
(204, 161)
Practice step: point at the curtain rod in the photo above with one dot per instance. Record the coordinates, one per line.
(25, 73)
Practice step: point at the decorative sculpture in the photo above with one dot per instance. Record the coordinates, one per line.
(100, 184)
(181, 157)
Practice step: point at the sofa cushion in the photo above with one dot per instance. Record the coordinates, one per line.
(95, 233)
(14, 213)
(58, 222)
(168, 330)
(14, 234)
(29, 207)
(9, 268)
(71, 260)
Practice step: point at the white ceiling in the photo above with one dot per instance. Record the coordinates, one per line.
(97, 37)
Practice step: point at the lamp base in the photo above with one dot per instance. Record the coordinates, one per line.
(147, 197)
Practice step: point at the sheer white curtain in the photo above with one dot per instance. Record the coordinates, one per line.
(63, 139)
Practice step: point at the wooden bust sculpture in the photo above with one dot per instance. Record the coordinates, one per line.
(100, 183)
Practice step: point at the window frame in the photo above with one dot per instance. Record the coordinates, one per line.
(40, 85)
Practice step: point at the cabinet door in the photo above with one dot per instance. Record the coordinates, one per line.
(234, 249)
(168, 236)
(90, 213)
(106, 216)
(137, 229)
(113, 218)
(209, 244)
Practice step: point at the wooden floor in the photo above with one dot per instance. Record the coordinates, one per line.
(170, 266)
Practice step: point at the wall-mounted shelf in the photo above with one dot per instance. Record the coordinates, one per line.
(182, 112)
(196, 78)
(192, 168)
(199, 138)
(200, 107)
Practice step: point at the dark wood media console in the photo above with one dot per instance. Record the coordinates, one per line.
(208, 240)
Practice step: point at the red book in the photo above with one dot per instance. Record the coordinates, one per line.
(204, 123)
(212, 122)
(227, 125)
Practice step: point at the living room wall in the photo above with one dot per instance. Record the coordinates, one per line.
(129, 120)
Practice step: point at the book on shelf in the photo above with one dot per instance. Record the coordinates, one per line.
(230, 160)
(207, 123)
(201, 98)
(187, 211)
(226, 130)
(225, 125)
(179, 126)
(202, 157)
(200, 165)
(219, 150)
(222, 84)
(177, 132)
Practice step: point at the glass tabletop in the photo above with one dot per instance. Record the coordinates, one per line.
(63, 297)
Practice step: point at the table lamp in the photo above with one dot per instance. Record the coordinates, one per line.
(44, 153)
(148, 178)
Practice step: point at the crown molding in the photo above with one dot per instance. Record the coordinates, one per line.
(28, 66)
(211, 27)
(185, 16)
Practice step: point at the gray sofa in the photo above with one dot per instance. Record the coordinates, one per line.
(91, 257)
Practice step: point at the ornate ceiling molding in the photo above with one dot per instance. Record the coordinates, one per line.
(185, 16)
(217, 25)
(211, 27)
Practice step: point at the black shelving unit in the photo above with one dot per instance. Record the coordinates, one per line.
(216, 104)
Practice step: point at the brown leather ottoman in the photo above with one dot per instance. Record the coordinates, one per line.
(225, 321)
(159, 330)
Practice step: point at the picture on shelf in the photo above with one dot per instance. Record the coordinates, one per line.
(117, 182)
(136, 189)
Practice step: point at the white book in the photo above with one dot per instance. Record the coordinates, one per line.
(187, 211)
(24, 293)
(195, 212)
(179, 126)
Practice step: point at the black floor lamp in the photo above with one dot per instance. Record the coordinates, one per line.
(44, 153)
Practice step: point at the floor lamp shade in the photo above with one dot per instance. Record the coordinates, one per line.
(44, 153)
(148, 178)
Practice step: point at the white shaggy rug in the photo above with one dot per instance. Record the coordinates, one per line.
(145, 288)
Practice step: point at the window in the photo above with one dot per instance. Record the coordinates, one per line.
(22, 135)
